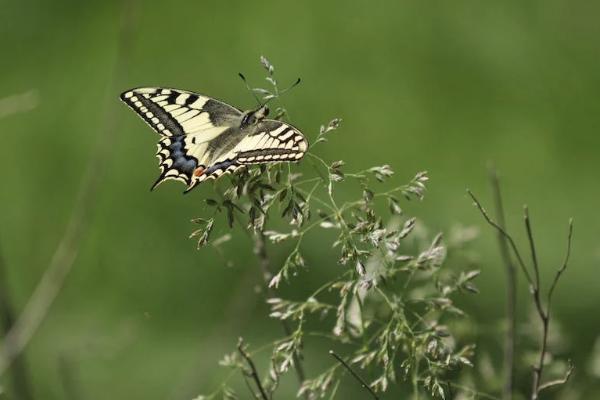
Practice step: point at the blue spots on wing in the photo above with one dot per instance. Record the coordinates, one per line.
(185, 166)
(182, 162)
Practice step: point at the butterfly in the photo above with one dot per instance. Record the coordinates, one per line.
(202, 138)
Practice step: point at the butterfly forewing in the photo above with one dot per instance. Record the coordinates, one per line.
(203, 138)
(173, 112)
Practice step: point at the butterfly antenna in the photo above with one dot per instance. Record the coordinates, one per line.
(293, 85)
(250, 89)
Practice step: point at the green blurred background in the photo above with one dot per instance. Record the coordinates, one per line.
(435, 85)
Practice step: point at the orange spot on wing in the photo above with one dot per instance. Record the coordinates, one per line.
(198, 172)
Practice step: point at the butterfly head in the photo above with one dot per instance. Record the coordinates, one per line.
(253, 117)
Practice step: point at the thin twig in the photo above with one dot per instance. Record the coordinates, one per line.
(54, 276)
(511, 290)
(504, 234)
(544, 314)
(253, 372)
(535, 287)
(538, 370)
(354, 374)
(260, 249)
(536, 268)
(561, 381)
(19, 372)
(564, 264)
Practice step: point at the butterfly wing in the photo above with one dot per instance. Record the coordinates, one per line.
(268, 141)
(203, 138)
(172, 112)
(186, 121)
(272, 141)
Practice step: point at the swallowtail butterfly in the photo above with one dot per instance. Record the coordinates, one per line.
(202, 138)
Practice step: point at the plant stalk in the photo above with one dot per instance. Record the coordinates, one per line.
(511, 291)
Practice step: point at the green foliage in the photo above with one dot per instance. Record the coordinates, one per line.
(390, 306)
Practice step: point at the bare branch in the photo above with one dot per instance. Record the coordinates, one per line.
(354, 374)
(561, 381)
(536, 268)
(535, 287)
(545, 318)
(504, 234)
(253, 372)
(564, 265)
(544, 315)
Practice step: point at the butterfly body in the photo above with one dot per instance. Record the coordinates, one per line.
(203, 138)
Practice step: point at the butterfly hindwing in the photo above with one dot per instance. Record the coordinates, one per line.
(272, 141)
(174, 160)
(268, 141)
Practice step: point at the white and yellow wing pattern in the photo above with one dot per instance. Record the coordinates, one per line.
(202, 138)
